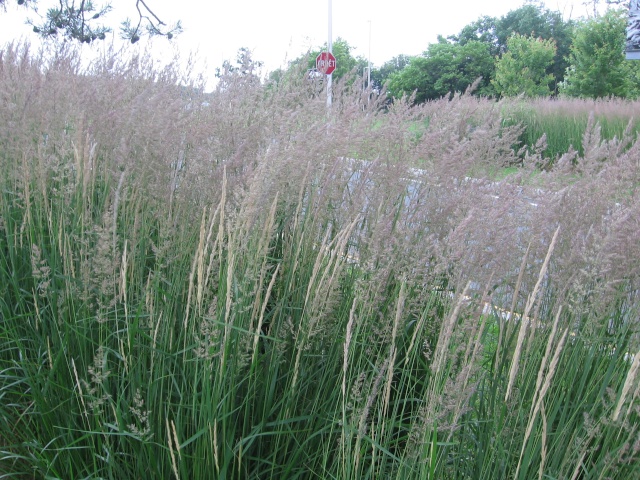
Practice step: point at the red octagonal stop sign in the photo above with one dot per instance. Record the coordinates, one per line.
(326, 63)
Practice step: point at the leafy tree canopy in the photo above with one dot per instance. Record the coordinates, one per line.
(532, 20)
(597, 64)
(523, 68)
(481, 30)
(445, 68)
(81, 20)
(379, 76)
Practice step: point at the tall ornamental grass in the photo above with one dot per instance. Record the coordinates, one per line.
(199, 286)
(564, 121)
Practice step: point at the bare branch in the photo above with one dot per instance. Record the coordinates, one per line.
(80, 21)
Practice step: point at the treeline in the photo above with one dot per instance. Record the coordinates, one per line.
(531, 51)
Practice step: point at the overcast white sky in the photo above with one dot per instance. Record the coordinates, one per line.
(280, 30)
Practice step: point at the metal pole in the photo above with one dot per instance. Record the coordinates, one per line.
(369, 65)
(330, 48)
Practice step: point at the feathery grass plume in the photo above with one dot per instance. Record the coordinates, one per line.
(123, 280)
(84, 153)
(364, 416)
(578, 468)
(95, 389)
(417, 330)
(203, 277)
(140, 428)
(349, 403)
(196, 266)
(40, 270)
(171, 440)
(301, 334)
(537, 401)
(262, 255)
(214, 436)
(446, 332)
(628, 384)
(103, 263)
(228, 304)
(80, 393)
(543, 448)
(469, 366)
(540, 396)
(477, 329)
(402, 296)
(265, 303)
(524, 320)
(635, 397)
(438, 386)
(347, 342)
(543, 365)
(213, 254)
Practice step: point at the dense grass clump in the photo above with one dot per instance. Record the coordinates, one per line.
(210, 285)
(567, 123)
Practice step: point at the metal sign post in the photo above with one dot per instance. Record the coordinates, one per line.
(330, 50)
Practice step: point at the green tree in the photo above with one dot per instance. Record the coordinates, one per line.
(444, 68)
(81, 20)
(535, 20)
(529, 20)
(379, 76)
(597, 64)
(484, 30)
(524, 67)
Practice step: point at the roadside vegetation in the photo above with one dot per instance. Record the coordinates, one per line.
(564, 121)
(200, 286)
(531, 51)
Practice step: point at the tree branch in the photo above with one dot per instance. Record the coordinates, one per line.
(77, 23)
